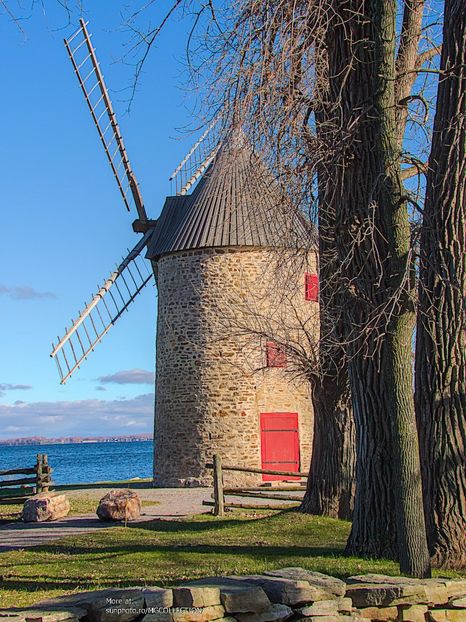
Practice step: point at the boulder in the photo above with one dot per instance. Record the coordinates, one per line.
(203, 614)
(46, 506)
(432, 591)
(119, 505)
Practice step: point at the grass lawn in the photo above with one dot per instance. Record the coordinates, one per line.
(164, 553)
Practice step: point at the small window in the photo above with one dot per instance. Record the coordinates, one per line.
(311, 287)
(275, 355)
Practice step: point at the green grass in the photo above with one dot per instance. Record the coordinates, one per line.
(166, 552)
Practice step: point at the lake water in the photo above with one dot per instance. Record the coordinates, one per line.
(76, 463)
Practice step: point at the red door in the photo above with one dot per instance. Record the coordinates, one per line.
(279, 444)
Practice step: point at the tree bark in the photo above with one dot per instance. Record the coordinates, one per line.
(440, 340)
(331, 483)
(373, 241)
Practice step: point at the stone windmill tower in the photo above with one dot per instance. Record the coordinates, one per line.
(225, 306)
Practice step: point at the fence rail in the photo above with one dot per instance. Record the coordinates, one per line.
(19, 489)
(219, 504)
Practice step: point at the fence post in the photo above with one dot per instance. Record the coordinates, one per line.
(219, 500)
(39, 474)
(46, 473)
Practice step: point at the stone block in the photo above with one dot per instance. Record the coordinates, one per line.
(454, 587)
(203, 614)
(332, 585)
(41, 615)
(276, 613)
(287, 591)
(412, 613)
(46, 506)
(378, 613)
(379, 595)
(237, 596)
(320, 608)
(459, 603)
(196, 596)
(119, 505)
(156, 597)
(427, 591)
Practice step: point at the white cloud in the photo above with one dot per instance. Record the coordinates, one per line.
(6, 386)
(129, 376)
(77, 418)
(24, 292)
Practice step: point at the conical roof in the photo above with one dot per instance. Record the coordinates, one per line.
(237, 202)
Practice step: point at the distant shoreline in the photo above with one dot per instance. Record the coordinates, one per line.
(130, 438)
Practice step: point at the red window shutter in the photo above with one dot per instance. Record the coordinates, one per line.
(275, 355)
(311, 287)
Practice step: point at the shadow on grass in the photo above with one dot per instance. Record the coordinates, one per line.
(269, 555)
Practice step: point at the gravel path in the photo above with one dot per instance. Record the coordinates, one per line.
(172, 503)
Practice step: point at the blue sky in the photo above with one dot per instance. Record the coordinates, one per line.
(63, 226)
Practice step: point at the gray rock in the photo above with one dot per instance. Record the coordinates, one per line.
(119, 505)
(46, 506)
(157, 597)
(237, 596)
(42, 615)
(373, 595)
(383, 614)
(287, 591)
(196, 596)
(320, 608)
(276, 613)
(429, 591)
(332, 585)
(187, 614)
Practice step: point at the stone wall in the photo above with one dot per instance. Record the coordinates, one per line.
(215, 308)
(278, 595)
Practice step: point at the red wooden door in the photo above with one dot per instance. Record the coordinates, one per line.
(279, 443)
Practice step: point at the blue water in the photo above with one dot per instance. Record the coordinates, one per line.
(76, 463)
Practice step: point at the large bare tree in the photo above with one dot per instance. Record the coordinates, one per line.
(441, 325)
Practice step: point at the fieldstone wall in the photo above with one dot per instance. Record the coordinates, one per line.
(278, 595)
(215, 307)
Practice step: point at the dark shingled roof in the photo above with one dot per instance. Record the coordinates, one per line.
(237, 202)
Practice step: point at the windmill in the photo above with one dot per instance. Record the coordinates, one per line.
(215, 240)
(124, 284)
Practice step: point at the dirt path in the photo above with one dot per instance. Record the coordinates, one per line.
(172, 503)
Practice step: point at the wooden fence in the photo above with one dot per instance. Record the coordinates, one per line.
(219, 504)
(17, 490)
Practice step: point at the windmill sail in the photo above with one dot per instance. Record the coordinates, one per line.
(91, 80)
(197, 159)
(110, 302)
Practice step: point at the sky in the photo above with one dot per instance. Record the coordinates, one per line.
(63, 226)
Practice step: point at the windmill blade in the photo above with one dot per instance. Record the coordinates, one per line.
(91, 80)
(110, 302)
(198, 158)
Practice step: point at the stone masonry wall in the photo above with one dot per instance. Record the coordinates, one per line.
(214, 308)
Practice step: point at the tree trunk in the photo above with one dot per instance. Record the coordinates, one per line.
(440, 342)
(373, 241)
(331, 483)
